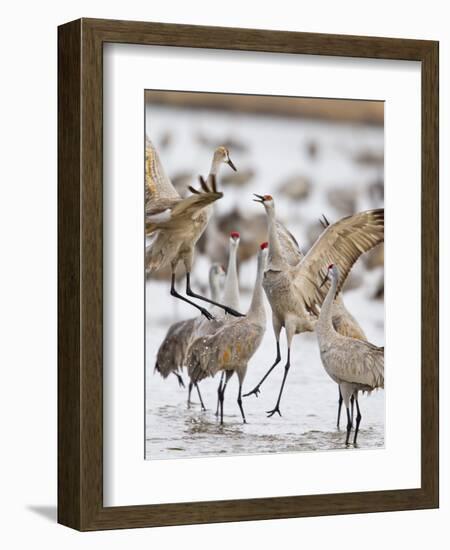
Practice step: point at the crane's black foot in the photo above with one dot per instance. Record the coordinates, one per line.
(255, 391)
(233, 312)
(273, 411)
(180, 380)
(207, 314)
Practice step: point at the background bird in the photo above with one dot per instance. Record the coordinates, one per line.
(174, 224)
(232, 346)
(294, 291)
(355, 365)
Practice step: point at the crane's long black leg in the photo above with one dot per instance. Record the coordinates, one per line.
(276, 409)
(358, 420)
(349, 426)
(352, 406)
(255, 390)
(219, 389)
(222, 396)
(180, 380)
(173, 292)
(200, 397)
(193, 294)
(189, 394)
(239, 400)
(339, 407)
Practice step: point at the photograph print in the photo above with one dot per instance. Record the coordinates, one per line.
(264, 274)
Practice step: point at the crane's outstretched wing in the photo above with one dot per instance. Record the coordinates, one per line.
(168, 212)
(157, 185)
(289, 244)
(341, 243)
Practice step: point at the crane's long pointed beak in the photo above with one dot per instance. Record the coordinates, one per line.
(230, 163)
(259, 199)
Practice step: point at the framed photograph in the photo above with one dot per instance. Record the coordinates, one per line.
(248, 274)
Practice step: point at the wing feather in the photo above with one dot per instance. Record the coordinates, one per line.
(289, 244)
(157, 185)
(171, 209)
(341, 243)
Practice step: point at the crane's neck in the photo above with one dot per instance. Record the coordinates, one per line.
(231, 296)
(257, 313)
(325, 322)
(276, 257)
(214, 285)
(215, 166)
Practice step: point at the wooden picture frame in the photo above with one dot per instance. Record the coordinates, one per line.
(80, 272)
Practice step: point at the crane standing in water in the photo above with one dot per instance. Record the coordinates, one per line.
(232, 346)
(294, 291)
(174, 225)
(345, 324)
(355, 365)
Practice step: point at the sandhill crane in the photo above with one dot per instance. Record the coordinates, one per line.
(172, 351)
(355, 365)
(175, 224)
(232, 346)
(293, 291)
(346, 325)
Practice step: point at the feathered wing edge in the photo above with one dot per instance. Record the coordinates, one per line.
(181, 209)
(341, 243)
(289, 244)
(157, 184)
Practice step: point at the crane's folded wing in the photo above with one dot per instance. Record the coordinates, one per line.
(230, 347)
(365, 366)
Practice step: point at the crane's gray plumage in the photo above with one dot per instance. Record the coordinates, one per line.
(355, 365)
